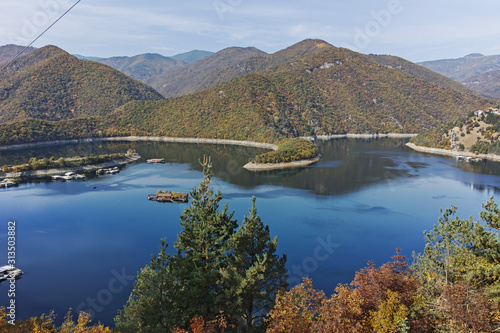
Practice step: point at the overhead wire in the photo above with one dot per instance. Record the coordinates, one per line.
(50, 26)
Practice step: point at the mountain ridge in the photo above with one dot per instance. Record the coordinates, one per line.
(310, 88)
(474, 71)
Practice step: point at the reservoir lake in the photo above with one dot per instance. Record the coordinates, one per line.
(81, 243)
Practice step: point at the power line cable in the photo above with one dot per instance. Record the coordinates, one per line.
(50, 26)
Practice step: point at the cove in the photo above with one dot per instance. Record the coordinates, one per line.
(81, 243)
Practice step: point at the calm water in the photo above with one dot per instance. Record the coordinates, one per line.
(79, 243)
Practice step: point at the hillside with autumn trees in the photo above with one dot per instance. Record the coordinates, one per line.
(52, 85)
(330, 91)
(308, 89)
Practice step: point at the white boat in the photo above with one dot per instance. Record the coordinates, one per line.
(9, 272)
(8, 183)
(68, 176)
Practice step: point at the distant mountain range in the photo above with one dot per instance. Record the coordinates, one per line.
(8, 52)
(226, 65)
(475, 71)
(310, 88)
(191, 56)
(144, 66)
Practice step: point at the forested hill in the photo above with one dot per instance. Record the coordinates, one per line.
(333, 90)
(228, 64)
(310, 88)
(51, 84)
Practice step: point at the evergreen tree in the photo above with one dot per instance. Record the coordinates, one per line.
(200, 265)
(149, 307)
(258, 273)
(216, 273)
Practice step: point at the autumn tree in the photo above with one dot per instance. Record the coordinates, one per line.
(459, 271)
(296, 310)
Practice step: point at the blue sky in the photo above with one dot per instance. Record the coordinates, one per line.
(417, 30)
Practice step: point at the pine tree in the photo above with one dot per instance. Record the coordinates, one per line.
(216, 273)
(200, 265)
(258, 273)
(149, 306)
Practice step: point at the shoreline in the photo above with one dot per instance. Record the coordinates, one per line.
(444, 152)
(83, 168)
(251, 166)
(366, 136)
(245, 143)
(141, 138)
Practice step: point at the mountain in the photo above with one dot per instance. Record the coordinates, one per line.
(420, 72)
(330, 90)
(226, 65)
(202, 74)
(51, 84)
(143, 66)
(192, 56)
(8, 52)
(487, 83)
(311, 88)
(472, 71)
(462, 68)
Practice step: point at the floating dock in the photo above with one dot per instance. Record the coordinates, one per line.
(167, 196)
(109, 171)
(155, 160)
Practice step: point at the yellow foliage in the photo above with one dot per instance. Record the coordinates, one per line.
(390, 315)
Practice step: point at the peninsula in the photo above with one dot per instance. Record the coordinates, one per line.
(48, 167)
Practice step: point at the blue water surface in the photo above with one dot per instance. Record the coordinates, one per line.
(81, 244)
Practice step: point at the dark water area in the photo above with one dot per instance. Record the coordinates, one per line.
(81, 244)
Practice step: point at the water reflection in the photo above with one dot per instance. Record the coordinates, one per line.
(347, 165)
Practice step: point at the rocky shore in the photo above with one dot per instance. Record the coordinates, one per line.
(452, 153)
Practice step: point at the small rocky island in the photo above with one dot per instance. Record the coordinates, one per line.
(290, 153)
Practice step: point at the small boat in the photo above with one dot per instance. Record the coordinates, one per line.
(109, 171)
(167, 196)
(9, 272)
(68, 176)
(155, 160)
(8, 183)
